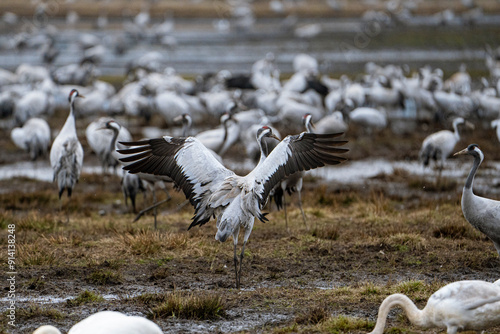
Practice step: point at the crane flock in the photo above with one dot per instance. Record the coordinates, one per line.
(249, 110)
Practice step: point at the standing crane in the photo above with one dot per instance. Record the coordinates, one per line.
(461, 305)
(214, 190)
(131, 183)
(293, 182)
(66, 154)
(101, 139)
(439, 145)
(482, 213)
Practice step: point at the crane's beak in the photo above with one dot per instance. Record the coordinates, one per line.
(469, 125)
(464, 151)
(178, 119)
(81, 96)
(272, 135)
(312, 124)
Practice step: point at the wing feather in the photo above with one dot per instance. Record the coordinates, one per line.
(298, 153)
(186, 161)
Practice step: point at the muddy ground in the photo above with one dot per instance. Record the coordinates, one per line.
(396, 232)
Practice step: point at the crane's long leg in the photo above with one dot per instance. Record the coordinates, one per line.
(149, 208)
(236, 267)
(236, 232)
(242, 254)
(154, 209)
(301, 209)
(286, 214)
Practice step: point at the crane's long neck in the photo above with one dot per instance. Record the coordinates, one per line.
(470, 179)
(186, 127)
(264, 149)
(309, 126)
(113, 139)
(219, 150)
(69, 126)
(415, 315)
(455, 131)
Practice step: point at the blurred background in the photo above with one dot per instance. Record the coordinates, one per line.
(416, 65)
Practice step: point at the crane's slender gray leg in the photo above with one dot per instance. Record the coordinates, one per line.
(236, 232)
(286, 214)
(242, 254)
(236, 267)
(301, 209)
(149, 208)
(154, 209)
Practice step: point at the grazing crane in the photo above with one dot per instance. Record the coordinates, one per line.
(66, 154)
(482, 213)
(461, 305)
(33, 137)
(216, 191)
(107, 322)
(439, 145)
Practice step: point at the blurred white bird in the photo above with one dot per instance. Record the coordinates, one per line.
(439, 145)
(108, 322)
(33, 137)
(102, 139)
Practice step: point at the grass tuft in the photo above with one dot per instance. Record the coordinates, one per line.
(36, 255)
(313, 316)
(344, 324)
(451, 231)
(147, 242)
(196, 307)
(35, 311)
(86, 297)
(327, 232)
(104, 277)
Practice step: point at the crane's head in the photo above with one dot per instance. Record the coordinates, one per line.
(73, 95)
(112, 125)
(460, 120)
(307, 119)
(472, 149)
(266, 131)
(227, 117)
(184, 119)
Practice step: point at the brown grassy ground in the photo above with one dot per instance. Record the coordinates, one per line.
(364, 243)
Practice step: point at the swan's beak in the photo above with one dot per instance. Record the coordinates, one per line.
(464, 151)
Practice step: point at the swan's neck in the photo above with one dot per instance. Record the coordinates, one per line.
(415, 315)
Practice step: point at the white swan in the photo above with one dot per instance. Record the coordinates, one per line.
(107, 322)
(462, 305)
